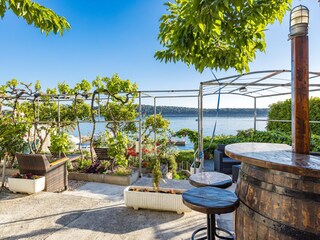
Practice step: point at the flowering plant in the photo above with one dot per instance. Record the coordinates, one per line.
(26, 176)
(132, 152)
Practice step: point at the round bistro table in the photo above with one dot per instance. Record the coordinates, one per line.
(210, 179)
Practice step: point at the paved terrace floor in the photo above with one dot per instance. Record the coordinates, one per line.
(94, 211)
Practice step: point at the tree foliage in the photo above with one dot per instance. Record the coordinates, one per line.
(60, 143)
(217, 34)
(119, 106)
(154, 124)
(11, 137)
(41, 17)
(119, 109)
(282, 111)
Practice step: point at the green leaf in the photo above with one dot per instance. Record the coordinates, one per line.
(210, 34)
(202, 27)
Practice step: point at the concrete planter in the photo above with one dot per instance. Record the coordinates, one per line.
(162, 201)
(29, 186)
(105, 178)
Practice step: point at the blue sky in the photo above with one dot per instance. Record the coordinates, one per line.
(120, 36)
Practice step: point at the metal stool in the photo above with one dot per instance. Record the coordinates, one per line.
(211, 201)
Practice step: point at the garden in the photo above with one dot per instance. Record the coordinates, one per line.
(41, 121)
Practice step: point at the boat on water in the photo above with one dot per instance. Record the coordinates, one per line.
(178, 143)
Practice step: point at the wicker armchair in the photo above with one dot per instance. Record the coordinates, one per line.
(222, 163)
(56, 172)
(102, 153)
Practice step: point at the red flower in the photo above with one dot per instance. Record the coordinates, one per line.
(145, 151)
(132, 152)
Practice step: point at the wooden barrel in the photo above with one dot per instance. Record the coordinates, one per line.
(277, 205)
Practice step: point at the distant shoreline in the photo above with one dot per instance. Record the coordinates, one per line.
(213, 115)
(169, 111)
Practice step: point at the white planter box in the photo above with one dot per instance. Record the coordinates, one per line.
(155, 200)
(26, 185)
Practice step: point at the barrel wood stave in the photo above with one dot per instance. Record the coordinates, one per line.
(275, 196)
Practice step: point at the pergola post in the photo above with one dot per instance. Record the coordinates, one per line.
(59, 114)
(140, 135)
(154, 125)
(200, 128)
(255, 114)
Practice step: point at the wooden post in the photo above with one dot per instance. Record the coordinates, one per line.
(300, 95)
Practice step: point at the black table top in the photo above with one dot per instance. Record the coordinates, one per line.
(210, 179)
(210, 200)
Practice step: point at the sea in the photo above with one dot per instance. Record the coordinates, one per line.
(224, 126)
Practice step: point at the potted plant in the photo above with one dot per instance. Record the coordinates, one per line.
(155, 198)
(26, 183)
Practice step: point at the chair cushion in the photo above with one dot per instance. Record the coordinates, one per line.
(228, 160)
(221, 147)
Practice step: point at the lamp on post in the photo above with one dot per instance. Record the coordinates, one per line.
(299, 22)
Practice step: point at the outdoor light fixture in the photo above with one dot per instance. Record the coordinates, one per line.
(242, 89)
(299, 21)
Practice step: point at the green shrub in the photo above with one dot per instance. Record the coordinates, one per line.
(172, 164)
(156, 175)
(84, 164)
(180, 175)
(59, 143)
(122, 171)
(105, 164)
(185, 156)
(315, 143)
(250, 135)
(282, 111)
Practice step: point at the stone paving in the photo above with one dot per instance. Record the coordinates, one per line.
(94, 211)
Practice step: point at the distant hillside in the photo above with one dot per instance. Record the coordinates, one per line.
(185, 111)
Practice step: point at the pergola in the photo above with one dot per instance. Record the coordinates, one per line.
(255, 85)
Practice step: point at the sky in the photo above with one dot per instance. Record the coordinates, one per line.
(120, 36)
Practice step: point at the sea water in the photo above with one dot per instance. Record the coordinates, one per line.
(224, 125)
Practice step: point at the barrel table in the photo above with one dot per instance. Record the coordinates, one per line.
(279, 192)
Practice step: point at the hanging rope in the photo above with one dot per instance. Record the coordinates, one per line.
(217, 111)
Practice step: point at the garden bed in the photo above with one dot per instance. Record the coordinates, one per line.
(105, 178)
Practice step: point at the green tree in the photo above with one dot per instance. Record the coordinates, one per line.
(118, 110)
(154, 124)
(39, 112)
(81, 110)
(11, 137)
(282, 111)
(217, 34)
(41, 17)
